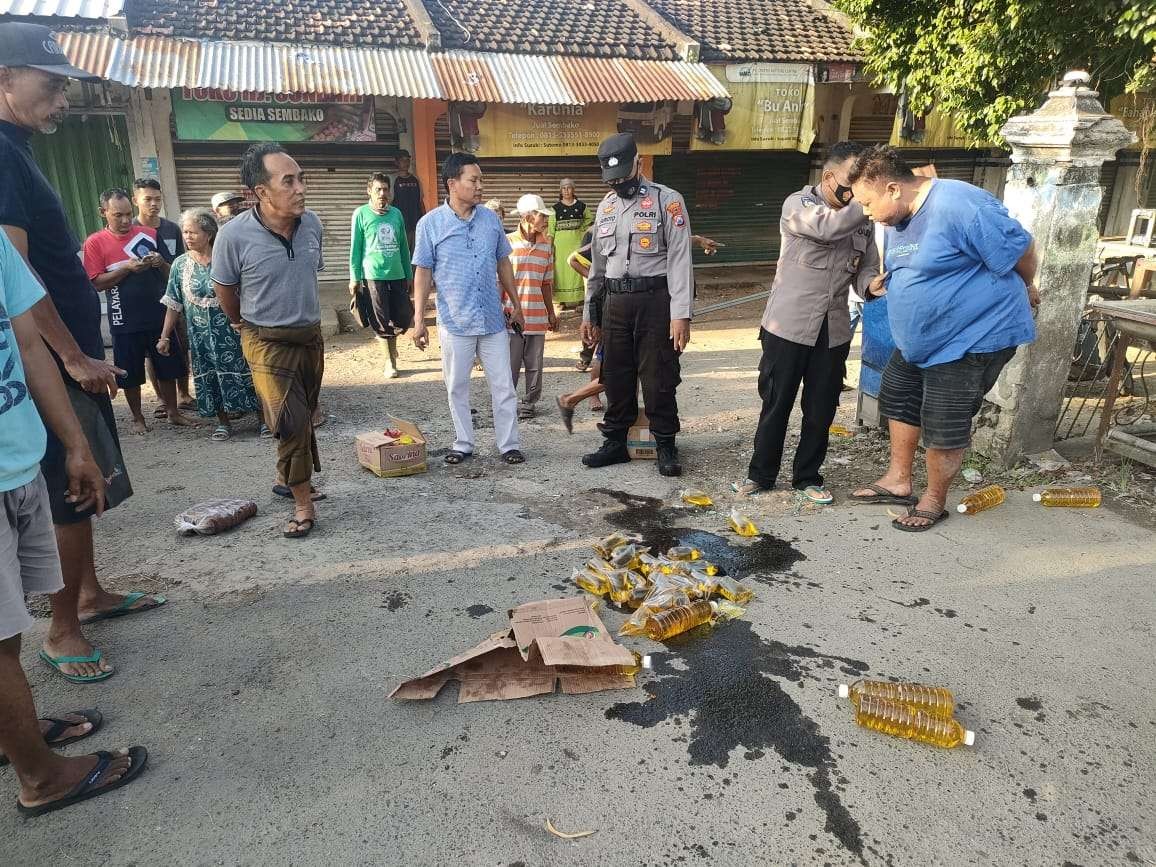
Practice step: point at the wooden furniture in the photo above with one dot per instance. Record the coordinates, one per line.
(1135, 324)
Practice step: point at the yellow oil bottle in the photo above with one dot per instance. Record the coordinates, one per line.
(695, 497)
(741, 524)
(838, 430)
(591, 582)
(1073, 498)
(678, 620)
(893, 718)
(733, 591)
(981, 500)
(604, 546)
(626, 556)
(935, 700)
(684, 552)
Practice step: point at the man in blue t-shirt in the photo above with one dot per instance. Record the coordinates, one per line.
(959, 279)
(31, 389)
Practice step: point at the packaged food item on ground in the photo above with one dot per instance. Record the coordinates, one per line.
(695, 497)
(214, 516)
(604, 546)
(741, 524)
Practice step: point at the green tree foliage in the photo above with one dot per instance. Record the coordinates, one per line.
(982, 61)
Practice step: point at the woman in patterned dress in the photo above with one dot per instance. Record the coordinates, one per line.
(223, 383)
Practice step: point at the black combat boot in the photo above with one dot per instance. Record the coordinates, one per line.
(668, 464)
(612, 452)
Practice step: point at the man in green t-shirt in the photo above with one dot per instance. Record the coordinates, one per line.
(379, 266)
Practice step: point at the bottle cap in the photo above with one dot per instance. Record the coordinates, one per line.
(1037, 497)
(961, 508)
(968, 738)
(844, 690)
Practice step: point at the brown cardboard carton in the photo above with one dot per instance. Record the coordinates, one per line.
(556, 641)
(639, 440)
(388, 459)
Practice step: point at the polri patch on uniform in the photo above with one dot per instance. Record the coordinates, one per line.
(646, 203)
(680, 221)
(609, 209)
(674, 209)
(644, 242)
(644, 226)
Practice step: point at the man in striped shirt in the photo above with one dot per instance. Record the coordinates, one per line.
(533, 261)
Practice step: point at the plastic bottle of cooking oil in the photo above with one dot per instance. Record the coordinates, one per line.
(935, 700)
(621, 586)
(707, 567)
(695, 497)
(732, 590)
(1076, 498)
(678, 620)
(617, 539)
(741, 524)
(981, 500)
(838, 430)
(893, 718)
(591, 582)
(626, 556)
(598, 566)
(684, 552)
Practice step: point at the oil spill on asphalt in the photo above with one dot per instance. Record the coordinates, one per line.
(394, 600)
(1030, 703)
(476, 611)
(728, 686)
(655, 521)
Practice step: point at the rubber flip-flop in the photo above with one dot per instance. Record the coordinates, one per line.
(60, 725)
(298, 528)
(920, 513)
(453, 457)
(126, 607)
(513, 456)
(88, 787)
(882, 496)
(285, 491)
(221, 433)
(160, 412)
(265, 433)
(817, 495)
(58, 661)
(567, 413)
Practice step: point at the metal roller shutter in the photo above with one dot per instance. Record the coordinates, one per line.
(336, 188)
(737, 200)
(956, 165)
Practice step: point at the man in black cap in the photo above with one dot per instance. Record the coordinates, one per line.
(34, 74)
(641, 265)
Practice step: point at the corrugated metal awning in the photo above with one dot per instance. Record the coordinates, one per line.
(61, 8)
(157, 61)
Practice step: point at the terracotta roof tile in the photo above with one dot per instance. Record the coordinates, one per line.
(752, 30)
(380, 23)
(594, 28)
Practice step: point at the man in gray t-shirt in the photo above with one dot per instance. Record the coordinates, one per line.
(265, 265)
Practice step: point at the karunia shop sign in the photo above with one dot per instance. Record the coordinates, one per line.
(209, 114)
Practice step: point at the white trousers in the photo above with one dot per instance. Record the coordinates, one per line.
(457, 361)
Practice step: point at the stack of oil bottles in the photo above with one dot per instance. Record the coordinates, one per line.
(670, 592)
(908, 710)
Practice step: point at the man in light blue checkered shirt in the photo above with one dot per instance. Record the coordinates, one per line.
(462, 249)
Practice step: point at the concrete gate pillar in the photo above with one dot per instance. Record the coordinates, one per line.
(1053, 188)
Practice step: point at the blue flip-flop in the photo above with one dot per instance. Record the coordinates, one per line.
(58, 661)
(126, 607)
(818, 495)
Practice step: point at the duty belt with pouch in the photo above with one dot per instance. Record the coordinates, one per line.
(629, 285)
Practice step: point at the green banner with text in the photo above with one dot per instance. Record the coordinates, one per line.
(204, 114)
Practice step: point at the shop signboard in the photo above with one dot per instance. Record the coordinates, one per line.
(506, 130)
(1137, 111)
(772, 107)
(210, 114)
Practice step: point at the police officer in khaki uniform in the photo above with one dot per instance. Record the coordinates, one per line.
(827, 244)
(641, 271)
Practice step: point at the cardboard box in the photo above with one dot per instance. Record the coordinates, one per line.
(552, 642)
(389, 459)
(639, 440)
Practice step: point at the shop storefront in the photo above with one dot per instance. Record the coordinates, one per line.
(338, 140)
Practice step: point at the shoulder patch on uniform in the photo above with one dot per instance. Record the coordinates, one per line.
(674, 209)
(807, 201)
(680, 221)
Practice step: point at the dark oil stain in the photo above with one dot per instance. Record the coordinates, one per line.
(918, 603)
(1031, 609)
(394, 600)
(949, 613)
(476, 611)
(655, 521)
(570, 754)
(1031, 703)
(561, 587)
(730, 691)
(1042, 817)
(1030, 794)
(448, 751)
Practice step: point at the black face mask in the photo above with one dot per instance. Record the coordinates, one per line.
(627, 188)
(842, 194)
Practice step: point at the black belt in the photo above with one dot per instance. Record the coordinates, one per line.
(628, 285)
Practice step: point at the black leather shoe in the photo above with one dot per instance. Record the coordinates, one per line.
(612, 452)
(668, 464)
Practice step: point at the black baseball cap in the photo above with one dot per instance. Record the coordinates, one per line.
(33, 46)
(616, 156)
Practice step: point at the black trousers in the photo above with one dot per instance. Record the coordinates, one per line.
(784, 366)
(636, 346)
(391, 307)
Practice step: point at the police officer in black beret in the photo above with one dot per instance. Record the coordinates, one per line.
(641, 269)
